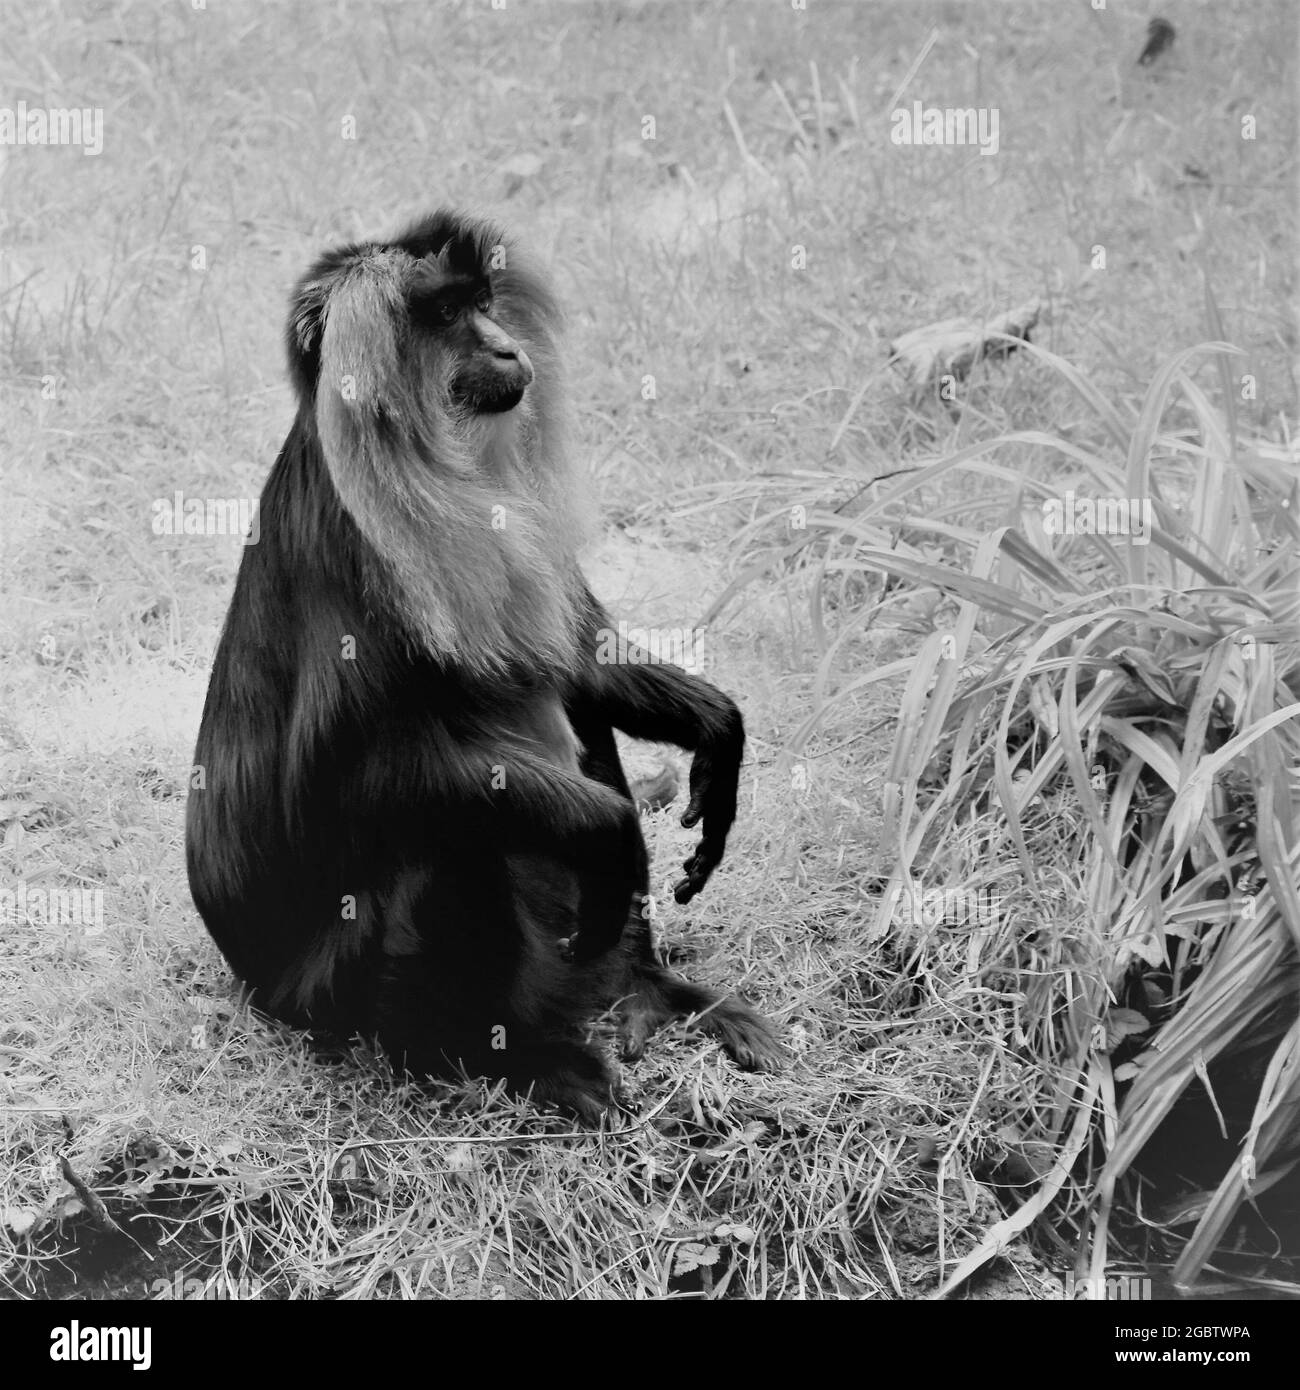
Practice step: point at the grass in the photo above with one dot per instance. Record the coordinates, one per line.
(948, 1085)
(1144, 693)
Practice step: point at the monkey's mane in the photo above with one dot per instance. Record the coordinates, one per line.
(471, 522)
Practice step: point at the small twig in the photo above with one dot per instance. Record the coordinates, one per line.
(98, 1211)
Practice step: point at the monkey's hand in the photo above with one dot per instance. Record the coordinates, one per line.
(715, 777)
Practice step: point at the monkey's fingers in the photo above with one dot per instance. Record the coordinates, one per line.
(699, 868)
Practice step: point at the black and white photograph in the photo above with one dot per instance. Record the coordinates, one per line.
(650, 651)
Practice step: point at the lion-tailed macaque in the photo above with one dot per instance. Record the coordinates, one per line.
(410, 818)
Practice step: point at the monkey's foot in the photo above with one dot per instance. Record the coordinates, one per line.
(746, 1037)
(572, 1077)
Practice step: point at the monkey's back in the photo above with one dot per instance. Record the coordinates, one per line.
(320, 846)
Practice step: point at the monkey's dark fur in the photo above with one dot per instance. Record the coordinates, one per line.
(411, 818)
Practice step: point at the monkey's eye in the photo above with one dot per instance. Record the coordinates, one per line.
(483, 301)
(446, 311)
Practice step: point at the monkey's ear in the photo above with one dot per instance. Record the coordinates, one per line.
(308, 316)
(306, 328)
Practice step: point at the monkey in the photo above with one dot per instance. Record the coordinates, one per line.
(408, 816)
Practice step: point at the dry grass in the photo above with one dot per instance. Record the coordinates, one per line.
(938, 1074)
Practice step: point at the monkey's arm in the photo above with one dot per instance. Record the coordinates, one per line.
(538, 806)
(416, 774)
(661, 703)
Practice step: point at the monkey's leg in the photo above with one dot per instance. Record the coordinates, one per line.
(468, 984)
(589, 827)
(653, 995)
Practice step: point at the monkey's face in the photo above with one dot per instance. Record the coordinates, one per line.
(487, 370)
